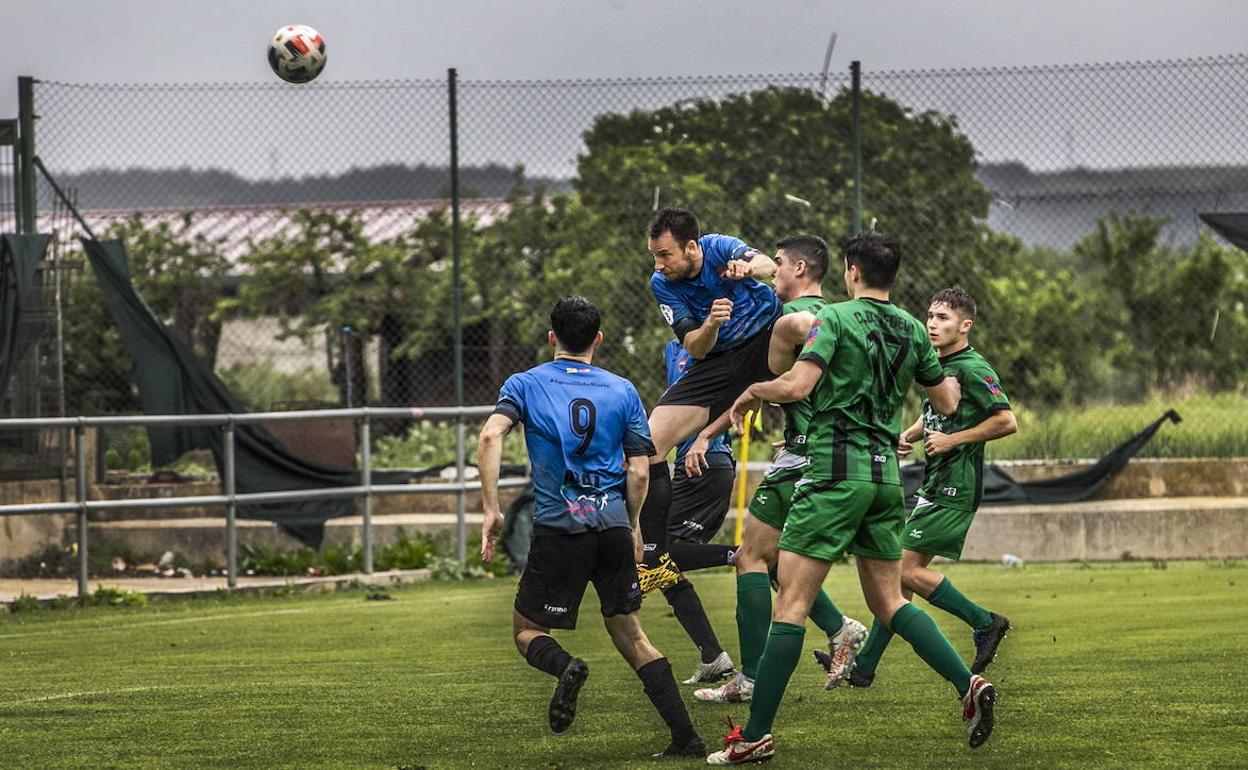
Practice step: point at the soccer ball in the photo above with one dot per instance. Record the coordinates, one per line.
(297, 53)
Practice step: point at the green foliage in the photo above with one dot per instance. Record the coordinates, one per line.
(428, 444)
(25, 603)
(106, 596)
(261, 386)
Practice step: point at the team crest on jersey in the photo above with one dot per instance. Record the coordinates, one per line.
(814, 332)
(668, 315)
(993, 387)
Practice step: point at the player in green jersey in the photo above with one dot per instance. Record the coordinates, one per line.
(801, 263)
(860, 359)
(953, 482)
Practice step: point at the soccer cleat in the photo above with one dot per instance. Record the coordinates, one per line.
(563, 702)
(738, 750)
(857, 678)
(715, 671)
(977, 708)
(987, 641)
(662, 575)
(739, 689)
(695, 748)
(842, 648)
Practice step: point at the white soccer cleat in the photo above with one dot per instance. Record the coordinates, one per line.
(715, 671)
(738, 751)
(844, 647)
(977, 709)
(739, 689)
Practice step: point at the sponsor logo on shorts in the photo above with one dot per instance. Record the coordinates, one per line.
(917, 534)
(553, 610)
(649, 546)
(762, 499)
(949, 491)
(691, 524)
(879, 458)
(668, 315)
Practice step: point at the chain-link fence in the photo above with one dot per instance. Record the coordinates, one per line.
(300, 237)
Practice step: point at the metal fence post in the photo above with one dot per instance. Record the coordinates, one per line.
(366, 479)
(80, 495)
(461, 494)
(26, 153)
(855, 69)
(231, 510)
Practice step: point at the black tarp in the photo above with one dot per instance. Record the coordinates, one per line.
(21, 300)
(1233, 227)
(1001, 489)
(172, 380)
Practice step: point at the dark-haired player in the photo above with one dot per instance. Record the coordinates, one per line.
(588, 445)
(953, 482)
(707, 289)
(861, 359)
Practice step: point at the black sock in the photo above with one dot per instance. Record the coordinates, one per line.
(654, 513)
(691, 556)
(545, 654)
(656, 677)
(688, 609)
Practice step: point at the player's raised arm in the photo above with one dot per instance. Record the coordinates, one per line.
(489, 462)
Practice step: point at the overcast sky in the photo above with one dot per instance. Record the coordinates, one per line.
(223, 40)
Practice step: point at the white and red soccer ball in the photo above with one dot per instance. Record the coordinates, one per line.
(297, 53)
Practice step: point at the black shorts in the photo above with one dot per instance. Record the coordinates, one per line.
(717, 380)
(559, 568)
(699, 503)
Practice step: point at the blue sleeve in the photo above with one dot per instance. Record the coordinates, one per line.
(719, 250)
(637, 441)
(511, 399)
(671, 304)
(671, 356)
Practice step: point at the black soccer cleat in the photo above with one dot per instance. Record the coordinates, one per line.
(859, 679)
(563, 702)
(695, 748)
(987, 641)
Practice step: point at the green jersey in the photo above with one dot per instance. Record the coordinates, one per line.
(871, 352)
(956, 478)
(797, 414)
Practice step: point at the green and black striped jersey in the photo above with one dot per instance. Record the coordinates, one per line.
(956, 478)
(797, 414)
(871, 352)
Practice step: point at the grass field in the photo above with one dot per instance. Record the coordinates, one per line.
(1123, 665)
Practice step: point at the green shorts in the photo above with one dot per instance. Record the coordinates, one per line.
(774, 495)
(828, 518)
(937, 530)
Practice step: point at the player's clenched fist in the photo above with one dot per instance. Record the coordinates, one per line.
(721, 311)
(738, 269)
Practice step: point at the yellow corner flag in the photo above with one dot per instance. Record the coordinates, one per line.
(754, 420)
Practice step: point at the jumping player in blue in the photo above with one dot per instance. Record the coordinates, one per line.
(588, 443)
(709, 291)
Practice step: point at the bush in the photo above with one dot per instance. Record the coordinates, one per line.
(429, 444)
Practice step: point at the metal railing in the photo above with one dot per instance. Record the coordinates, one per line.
(231, 499)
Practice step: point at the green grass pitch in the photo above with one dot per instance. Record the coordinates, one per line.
(1124, 665)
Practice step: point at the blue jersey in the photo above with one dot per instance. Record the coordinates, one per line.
(754, 304)
(719, 451)
(580, 422)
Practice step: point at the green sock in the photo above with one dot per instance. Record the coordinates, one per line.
(868, 658)
(952, 600)
(826, 615)
(917, 627)
(784, 648)
(753, 618)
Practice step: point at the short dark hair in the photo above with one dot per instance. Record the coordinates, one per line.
(957, 298)
(681, 223)
(575, 321)
(877, 255)
(811, 249)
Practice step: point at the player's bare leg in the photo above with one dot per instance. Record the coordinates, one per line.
(656, 678)
(881, 587)
(542, 652)
(669, 425)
